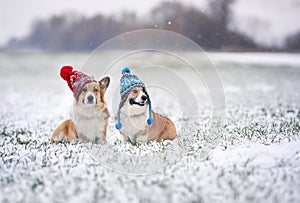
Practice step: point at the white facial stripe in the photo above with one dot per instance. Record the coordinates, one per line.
(89, 99)
(139, 98)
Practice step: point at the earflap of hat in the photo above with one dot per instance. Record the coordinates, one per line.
(150, 120)
(119, 125)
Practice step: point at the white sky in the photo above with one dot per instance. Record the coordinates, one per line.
(277, 17)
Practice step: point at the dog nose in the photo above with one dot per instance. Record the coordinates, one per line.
(90, 98)
(144, 98)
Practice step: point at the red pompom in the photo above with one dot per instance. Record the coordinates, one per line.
(65, 72)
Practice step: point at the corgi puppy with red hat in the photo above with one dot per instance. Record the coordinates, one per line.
(136, 120)
(89, 116)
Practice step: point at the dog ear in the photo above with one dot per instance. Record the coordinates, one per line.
(104, 83)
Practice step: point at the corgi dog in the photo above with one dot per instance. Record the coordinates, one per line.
(89, 115)
(134, 114)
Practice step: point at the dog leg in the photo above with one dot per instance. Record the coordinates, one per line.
(124, 138)
(104, 132)
(102, 138)
(132, 141)
(65, 131)
(58, 134)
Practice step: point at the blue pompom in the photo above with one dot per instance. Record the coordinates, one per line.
(118, 126)
(150, 121)
(125, 70)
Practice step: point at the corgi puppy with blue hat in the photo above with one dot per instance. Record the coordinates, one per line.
(136, 120)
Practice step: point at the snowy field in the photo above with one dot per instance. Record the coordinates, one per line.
(256, 159)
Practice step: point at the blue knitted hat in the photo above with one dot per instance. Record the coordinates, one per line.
(127, 82)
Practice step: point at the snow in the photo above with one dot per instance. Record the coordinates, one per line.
(257, 157)
(275, 59)
(264, 156)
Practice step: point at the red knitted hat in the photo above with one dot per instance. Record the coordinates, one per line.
(75, 79)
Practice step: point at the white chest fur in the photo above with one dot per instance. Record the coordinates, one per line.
(89, 123)
(134, 126)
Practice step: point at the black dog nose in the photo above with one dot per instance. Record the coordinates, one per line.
(144, 98)
(90, 98)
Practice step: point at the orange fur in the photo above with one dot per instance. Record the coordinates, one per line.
(67, 129)
(162, 128)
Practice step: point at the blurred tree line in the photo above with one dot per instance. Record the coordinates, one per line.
(208, 28)
(293, 42)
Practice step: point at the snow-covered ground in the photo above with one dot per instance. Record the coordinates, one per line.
(256, 159)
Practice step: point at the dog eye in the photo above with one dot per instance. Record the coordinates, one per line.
(95, 90)
(84, 89)
(134, 91)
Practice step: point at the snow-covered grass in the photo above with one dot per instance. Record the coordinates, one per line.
(257, 158)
